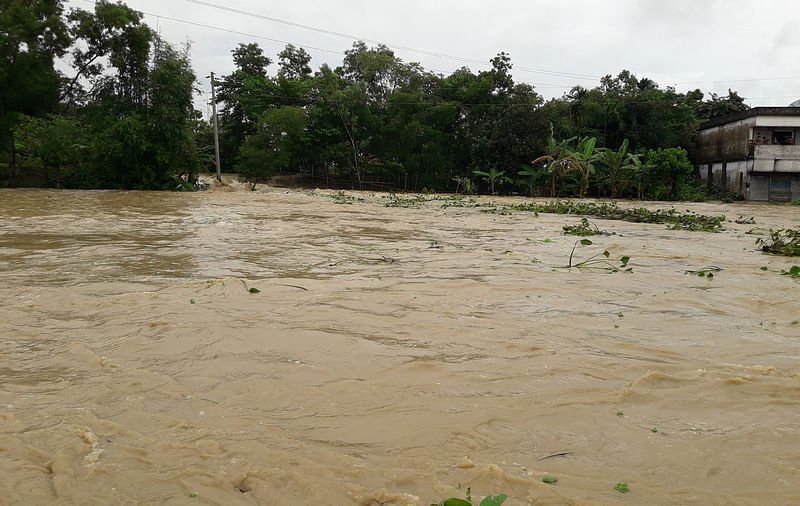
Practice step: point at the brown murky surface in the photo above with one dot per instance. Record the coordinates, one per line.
(391, 355)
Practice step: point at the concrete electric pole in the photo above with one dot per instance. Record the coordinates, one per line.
(216, 129)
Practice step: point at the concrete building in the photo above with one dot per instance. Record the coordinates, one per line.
(755, 153)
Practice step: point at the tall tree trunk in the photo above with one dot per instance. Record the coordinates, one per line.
(13, 169)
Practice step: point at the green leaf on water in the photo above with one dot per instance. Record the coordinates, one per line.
(586, 242)
(254, 290)
(493, 500)
(455, 502)
(549, 479)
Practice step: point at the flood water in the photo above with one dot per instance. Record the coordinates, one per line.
(392, 356)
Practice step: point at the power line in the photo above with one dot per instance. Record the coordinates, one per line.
(432, 53)
(397, 46)
(571, 75)
(303, 46)
(740, 80)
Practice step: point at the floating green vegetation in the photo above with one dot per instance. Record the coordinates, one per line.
(549, 479)
(342, 198)
(254, 290)
(491, 500)
(458, 200)
(584, 228)
(395, 201)
(705, 272)
(794, 271)
(621, 487)
(600, 262)
(784, 241)
(679, 221)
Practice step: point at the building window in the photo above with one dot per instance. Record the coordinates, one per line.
(783, 137)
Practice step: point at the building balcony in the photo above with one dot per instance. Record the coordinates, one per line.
(775, 158)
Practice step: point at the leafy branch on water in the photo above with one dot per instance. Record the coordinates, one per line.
(601, 261)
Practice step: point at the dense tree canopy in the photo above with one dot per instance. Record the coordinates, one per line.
(122, 117)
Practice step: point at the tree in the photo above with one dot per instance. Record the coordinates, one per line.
(269, 150)
(243, 95)
(722, 106)
(293, 63)
(57, 142)
(670, 168)
(33, 33)
(171, 113)
(113, 31)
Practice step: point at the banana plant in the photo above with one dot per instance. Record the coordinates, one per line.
(582, 159)
(615, 168)
(532, 177)
(556, 159)
(492, 177)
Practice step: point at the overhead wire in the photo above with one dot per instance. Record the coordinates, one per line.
(411, 49)
(392, 45)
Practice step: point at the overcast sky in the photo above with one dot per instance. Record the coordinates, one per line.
(749, 46)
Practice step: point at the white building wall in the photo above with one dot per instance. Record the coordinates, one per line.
(777, 121)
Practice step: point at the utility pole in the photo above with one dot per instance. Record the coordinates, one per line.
(216, 130)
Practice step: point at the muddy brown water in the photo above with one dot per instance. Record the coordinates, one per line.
(392, 356)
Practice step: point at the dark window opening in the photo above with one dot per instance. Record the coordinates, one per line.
(783, 138)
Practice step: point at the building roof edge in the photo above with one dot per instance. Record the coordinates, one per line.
(755, 111)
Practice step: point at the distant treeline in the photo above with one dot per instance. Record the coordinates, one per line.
(123, 117)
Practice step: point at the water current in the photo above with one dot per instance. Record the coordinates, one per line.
(283, 347)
